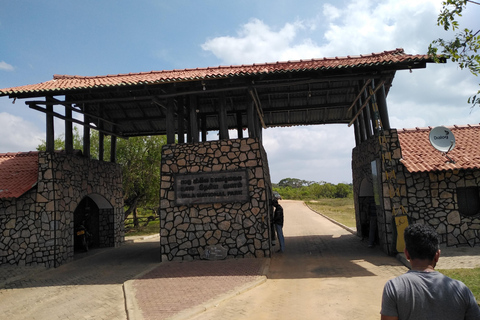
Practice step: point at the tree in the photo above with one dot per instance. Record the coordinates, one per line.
(465, 46)
(59, 143)
(140, 159)
(342, 190)
(294, 183)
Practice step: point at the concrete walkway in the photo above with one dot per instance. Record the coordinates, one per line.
(325, 273)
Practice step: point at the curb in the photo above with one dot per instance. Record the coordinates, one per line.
(132, 309)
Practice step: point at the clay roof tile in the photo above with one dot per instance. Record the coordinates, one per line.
(418, 155)
(18, 173)
(68, 82)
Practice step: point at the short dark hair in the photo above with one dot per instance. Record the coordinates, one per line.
(421, 241)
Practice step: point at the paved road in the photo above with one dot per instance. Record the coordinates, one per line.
(325, 273)
(91, 287)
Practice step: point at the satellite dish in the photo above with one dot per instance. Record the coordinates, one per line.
(442, 139)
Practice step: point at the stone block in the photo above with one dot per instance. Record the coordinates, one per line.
(241, 240)
(224, 225)
(446, 195)
(470, 234)
(454, 218)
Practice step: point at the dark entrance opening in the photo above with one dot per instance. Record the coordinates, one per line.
(87, 215)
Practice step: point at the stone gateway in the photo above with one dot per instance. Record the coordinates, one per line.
(215, 194)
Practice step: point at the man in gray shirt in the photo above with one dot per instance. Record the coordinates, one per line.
(423, 293)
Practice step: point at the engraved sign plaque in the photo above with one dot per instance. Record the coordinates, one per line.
(211, 187)
(216, 252)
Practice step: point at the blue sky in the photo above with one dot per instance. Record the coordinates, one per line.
(41, 38)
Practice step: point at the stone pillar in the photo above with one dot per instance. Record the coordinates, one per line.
(206, 202)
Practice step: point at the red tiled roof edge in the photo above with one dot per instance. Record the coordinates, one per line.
(418, 155)
(69, 82)
(453, 127)
(18, 173)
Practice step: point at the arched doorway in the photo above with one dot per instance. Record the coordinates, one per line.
(93, 214)
(367, 219)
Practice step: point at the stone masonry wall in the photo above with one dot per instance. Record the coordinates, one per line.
(362, 157)
(428, 197)
(238, 227)
(38, 227)
(432, 199)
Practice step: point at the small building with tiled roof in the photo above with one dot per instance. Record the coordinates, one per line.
(43, 198)
(418, 154)
(416, 183)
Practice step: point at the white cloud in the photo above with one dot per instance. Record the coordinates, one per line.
(370, 26)
(360, 27)
(433, 96)
(5, 66)
(313, 153)
(255, 42)
(18, 134)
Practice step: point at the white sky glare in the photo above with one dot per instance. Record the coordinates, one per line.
(111, 37)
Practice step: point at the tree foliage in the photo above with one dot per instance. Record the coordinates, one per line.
(296, 189)
(140, 159)
(464, 47)
(59, 143)
(294, 183)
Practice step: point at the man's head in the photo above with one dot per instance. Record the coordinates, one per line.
(421, 241)
(274, 202)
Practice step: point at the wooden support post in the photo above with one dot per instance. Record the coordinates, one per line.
(222, 118)
(361, 121)
(367, 117)
(101, 145)
(86, 135)
(50, 139)
(194, 120)
(258, 129)
(113, 149)
(382, 107)
(239, 125)
(68, 131)
(180, 121)
(170, 124)
(251, 121)
(204, 127)
(356, 129)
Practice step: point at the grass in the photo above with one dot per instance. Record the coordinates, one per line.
(341, 210)
(146, 227)
(471, 278)
(153, 227)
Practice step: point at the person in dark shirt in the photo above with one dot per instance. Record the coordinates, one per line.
(278, 223)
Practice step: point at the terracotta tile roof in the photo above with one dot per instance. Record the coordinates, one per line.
(18, 173)
(418, 155)
(66, 82)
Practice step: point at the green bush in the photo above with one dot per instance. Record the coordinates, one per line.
(296, 189)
